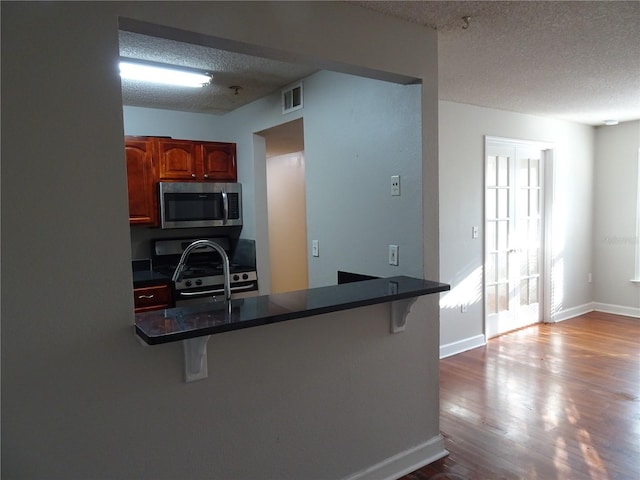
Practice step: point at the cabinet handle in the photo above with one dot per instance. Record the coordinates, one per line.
(140, 297)
(193, 175)
(206, 175)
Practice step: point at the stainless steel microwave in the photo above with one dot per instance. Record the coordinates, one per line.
(200, 204)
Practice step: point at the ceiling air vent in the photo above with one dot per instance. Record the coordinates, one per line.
(292, 98)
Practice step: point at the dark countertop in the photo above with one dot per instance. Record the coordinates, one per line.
(174, 324)
(145, 278)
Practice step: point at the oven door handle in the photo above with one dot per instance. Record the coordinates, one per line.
(211, 292)
(225, 206)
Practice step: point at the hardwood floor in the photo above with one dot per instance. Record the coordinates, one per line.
(549, 402)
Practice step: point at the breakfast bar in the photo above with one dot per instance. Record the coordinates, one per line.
(183, 323)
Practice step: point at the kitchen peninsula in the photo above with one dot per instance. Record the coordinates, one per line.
(170, 325)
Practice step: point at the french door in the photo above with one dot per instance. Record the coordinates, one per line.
(513, 235)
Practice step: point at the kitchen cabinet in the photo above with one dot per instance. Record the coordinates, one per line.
(153, 297)
(177, 159)
(219, 161)
(141, 182)
(185, 160)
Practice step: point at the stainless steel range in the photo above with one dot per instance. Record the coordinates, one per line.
(202, 279)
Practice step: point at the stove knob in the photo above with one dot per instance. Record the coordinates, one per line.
(199, 281)
(236, 278)
(188, 283)
(245, 276)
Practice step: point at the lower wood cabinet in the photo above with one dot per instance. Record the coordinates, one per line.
(155, 297)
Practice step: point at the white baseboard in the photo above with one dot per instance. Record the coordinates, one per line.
(404, 462)
(617, 309)
(590, 307)
(462, 345)
(571, 313)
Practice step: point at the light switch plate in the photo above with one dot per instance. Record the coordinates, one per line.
(393, 255)
(315, 248)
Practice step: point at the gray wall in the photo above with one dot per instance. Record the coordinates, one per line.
(81, 398)
(615, 238)
(374, 132)
(462, 132)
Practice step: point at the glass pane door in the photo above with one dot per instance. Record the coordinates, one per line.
(513, 236)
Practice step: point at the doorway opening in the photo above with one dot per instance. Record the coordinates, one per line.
(515, 233)
(286, 206)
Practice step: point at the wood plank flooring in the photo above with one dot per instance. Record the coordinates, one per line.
(549, 402)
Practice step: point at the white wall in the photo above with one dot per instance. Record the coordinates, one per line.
(615, 238)
(462, 131)
(81, 398)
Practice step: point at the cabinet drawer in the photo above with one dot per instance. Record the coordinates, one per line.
(151, 298)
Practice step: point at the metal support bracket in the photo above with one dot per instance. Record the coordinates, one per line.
(195, 358)
(399, 311)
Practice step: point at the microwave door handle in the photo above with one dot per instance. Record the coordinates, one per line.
(225, 206)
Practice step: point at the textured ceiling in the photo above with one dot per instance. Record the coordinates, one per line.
(573, 60)
(256, 76)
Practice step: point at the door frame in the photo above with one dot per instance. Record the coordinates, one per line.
(547, 176)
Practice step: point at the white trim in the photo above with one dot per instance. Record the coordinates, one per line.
(404, 462)
(462, 346)
(572, 312)
(617, 309)
(637, 239)
(546, 305)
(544, 145)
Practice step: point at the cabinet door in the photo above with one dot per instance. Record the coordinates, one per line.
(219, 161)
(141, 182)
(177, 159)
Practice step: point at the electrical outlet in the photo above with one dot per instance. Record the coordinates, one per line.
(393, 255)
(395, 185)
(315, 248)
(463, 308)
(474, 232)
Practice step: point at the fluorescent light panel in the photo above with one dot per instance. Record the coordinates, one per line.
(162, 75)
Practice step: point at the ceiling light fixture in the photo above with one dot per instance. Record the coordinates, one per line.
(166, 75)
(611, 122)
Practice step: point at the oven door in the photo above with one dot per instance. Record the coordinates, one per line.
(185, 298)
(199, 204)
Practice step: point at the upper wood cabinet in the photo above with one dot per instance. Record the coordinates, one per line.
(185, 160)
(219, 161)
(141, 182)
(177, 159)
